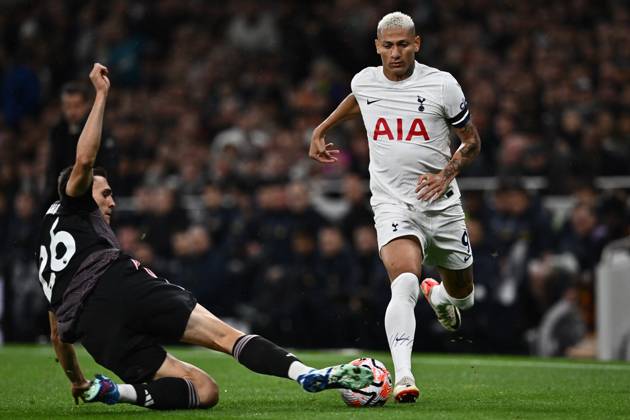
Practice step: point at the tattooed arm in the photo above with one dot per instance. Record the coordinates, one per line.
(432, 186)
(467, 151)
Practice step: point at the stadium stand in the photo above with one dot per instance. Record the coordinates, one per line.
(211, 114)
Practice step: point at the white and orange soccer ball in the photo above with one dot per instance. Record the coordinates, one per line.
(375, 394)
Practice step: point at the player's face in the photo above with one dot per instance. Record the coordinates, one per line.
(74, 107)
(397, 48)
(102, 194)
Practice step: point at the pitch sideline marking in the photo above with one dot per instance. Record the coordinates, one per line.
(498, 363)
(525, 364)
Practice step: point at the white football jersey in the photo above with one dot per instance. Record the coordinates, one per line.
(407, 124)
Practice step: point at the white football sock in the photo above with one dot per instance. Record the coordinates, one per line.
(298, 368)
(127, 394)
(439, 296)
(465, 302)
(400, 322)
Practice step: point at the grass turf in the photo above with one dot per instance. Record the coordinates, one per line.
(32, 385)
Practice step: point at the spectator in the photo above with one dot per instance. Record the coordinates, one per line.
(20, 89)
(201, 269)
(217, 214)
(495, 323)
(28, 305)
(578, 237)
(165, 217)
(252, 29)
(359, 211)
(519, 217)
(301, 213)
(336, 271)
(371, 297)
(562, 325)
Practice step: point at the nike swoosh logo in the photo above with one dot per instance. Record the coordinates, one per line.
(466, 258)
(372, 101)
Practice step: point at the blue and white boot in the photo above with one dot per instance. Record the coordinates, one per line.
(340, 376)
(102, 390)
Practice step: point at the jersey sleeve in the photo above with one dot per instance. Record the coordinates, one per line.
(455, 104)
(354, 85)
(358, 81)
(82, 203)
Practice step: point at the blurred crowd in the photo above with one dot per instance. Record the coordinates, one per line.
(206, 137)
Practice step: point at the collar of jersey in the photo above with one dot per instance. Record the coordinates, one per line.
(385, 80)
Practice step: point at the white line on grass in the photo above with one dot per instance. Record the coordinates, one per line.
(541, 364)
(524, 364)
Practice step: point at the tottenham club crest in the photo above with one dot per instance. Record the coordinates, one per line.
(421, 100)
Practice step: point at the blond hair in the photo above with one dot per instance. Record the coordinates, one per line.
(395, 20)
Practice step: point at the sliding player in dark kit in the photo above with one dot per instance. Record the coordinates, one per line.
(122, 312)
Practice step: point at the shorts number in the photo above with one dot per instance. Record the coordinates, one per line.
(465, 241)
(57, 263)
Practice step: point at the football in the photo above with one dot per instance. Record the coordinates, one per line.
(375, 394)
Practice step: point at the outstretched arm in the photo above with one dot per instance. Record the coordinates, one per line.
(320, 150)
(90, 139)
(432, 186)
(67, 357)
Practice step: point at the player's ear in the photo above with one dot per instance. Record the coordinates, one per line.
(417, 41)
(377, 45)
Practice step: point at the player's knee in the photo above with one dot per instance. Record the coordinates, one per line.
(401, 267)
(207, 391)
(397, 267)
(206, 388)
(394, 274)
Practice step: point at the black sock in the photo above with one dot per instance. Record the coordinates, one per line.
(167, 394)
(262, 356)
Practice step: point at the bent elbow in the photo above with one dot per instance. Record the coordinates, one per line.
(85, 163)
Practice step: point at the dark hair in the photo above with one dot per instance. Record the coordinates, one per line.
(76, 88)
(64, 176)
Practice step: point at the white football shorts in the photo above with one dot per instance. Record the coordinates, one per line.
(441, 233)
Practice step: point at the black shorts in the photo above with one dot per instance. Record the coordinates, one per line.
(127, 317)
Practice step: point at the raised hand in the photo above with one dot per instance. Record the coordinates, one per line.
(99, 78)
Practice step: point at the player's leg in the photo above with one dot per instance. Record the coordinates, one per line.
(262, 356)
(123, 321)
(455, 293)
(206, 389)
(402, 258)
(453, 256)
(457, 286)
(142, 310)
(175, 385)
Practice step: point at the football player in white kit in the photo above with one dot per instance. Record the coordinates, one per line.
(408, 110)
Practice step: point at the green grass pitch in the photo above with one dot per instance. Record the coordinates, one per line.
(32, 385)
